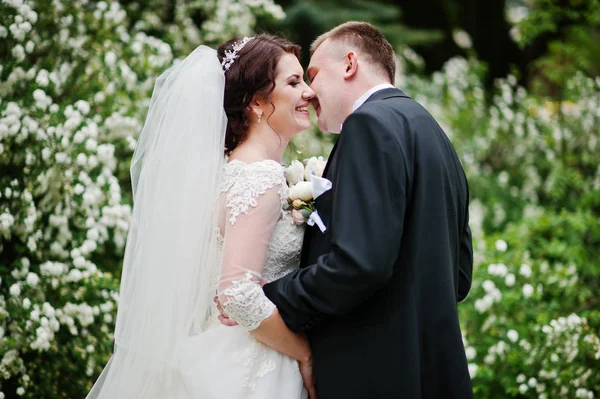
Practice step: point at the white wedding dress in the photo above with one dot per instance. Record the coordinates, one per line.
(257, 241)
(183, 246)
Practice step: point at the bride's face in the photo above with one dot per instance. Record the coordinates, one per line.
(287, 111)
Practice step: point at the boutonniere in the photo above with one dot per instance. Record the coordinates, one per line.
(306, 185)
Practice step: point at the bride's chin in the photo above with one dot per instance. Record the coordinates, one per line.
(303, 125)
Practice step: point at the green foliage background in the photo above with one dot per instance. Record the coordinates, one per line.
(75, 81)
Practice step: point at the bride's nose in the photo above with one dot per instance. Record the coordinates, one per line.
(308, 94)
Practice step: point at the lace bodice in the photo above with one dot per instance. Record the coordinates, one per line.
(259, 240)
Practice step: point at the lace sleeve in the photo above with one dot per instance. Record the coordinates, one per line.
(252, 213)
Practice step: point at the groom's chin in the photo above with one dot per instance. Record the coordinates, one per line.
(324, 127)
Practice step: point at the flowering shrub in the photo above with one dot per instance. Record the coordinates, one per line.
(524, 319)
(531, 325)
(75, 83)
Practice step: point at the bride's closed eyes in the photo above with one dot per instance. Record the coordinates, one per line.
(294, 80)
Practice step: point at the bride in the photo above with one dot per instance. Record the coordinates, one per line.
(204, 224)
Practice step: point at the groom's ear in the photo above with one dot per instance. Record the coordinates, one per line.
(350, 65)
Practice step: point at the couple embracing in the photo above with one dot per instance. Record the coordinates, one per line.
(362, 306)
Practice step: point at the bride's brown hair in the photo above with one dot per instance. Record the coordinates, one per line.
(252, 72)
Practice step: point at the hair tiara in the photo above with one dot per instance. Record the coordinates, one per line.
(231, 55)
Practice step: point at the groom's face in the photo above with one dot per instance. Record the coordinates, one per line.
(325, 75)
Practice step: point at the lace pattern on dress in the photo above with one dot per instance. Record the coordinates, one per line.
(256, 361)
(247, 303)
(244, 183)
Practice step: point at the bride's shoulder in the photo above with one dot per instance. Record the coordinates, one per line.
(261, 175)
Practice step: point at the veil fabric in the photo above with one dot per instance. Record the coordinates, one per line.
(170, 259)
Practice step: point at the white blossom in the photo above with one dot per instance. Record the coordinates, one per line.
(523, 389)
(513, 336)
(525, 270)
(18, 52)
(15, 290)
(501, 245)
(33, 279)
(294, 173)
(510, 280)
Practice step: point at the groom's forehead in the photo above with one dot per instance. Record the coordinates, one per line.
(317, 60)
(322, 50)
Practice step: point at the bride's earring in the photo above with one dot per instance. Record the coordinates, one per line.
(259, 116)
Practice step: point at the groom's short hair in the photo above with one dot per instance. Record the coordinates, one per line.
(367, 39)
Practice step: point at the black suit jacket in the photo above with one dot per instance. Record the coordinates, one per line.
(377, 292)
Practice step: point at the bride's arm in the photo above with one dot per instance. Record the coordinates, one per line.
(274, 333)
(250, 224)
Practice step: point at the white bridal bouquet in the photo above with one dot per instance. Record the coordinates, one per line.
(300, 199)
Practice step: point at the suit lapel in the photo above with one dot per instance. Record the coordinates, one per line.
(331, 154)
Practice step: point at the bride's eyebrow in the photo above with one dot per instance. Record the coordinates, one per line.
(295, 76)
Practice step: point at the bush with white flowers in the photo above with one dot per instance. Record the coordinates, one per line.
(531, 323)
(75, 82)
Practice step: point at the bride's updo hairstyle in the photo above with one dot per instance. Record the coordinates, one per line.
(252, 72)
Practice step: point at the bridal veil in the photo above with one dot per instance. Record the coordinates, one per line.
(167, 284)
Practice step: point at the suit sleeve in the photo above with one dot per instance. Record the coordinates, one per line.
(465, 259)
(369, 201)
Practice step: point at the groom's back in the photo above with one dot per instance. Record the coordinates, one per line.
(404, 340)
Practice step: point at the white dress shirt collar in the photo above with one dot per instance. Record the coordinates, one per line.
(369, 93)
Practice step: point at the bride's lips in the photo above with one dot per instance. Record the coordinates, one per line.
(303, 109)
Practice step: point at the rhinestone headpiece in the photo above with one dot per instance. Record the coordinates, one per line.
(231, 55)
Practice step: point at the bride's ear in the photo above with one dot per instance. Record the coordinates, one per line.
(350, 65)
(256, 108)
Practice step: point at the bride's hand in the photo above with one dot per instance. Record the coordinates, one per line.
(308, 376)
(223, 317)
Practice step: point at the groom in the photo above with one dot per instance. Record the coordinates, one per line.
(376, 292)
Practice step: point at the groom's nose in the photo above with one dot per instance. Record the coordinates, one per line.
(314, 102)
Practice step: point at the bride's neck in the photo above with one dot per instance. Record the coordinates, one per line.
(261, 143)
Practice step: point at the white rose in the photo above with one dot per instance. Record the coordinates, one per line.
(316, 165)
(294, 173)
(302, 190)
